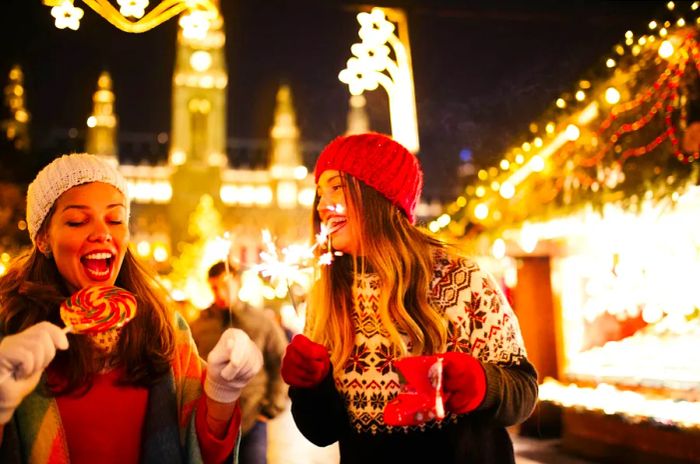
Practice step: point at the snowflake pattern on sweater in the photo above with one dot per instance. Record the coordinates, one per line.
(479, 322)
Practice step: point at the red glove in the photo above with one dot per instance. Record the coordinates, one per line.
(305, 363)
(420, 399)
(464, 382)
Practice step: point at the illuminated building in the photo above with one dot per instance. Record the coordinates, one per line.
(592, 224)
(277, 198)
(15, 126)
(102, 123)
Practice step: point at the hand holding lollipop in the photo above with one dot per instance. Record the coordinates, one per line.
(23, 357)
(96, 311)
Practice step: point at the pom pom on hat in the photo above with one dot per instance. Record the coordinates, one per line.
(62, 174)
(380, 162)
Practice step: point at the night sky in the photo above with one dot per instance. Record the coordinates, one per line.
(483, 70)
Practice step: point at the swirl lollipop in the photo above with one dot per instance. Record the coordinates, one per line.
(100, 312)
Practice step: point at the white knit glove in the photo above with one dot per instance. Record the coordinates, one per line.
(23, 357)
(230, 365)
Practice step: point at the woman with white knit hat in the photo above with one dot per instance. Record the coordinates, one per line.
(399, 301)
(143, 396)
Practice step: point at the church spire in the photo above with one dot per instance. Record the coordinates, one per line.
(358, 121)
(198, 131)
(15, 126)
(286, 167)
(284, 135)
(102, 123)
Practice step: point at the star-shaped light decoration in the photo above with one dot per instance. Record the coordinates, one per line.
(375, 29)
(195, 24)
(67, 15)
(358, 76)
(132, 8)
(375, 58)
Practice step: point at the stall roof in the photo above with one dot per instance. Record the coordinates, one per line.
(627, 132)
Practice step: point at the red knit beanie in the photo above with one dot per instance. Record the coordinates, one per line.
(379, 162)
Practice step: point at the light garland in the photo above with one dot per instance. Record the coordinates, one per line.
(199, 14)
(605, 147)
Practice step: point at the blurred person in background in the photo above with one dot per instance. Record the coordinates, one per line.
(266, 394)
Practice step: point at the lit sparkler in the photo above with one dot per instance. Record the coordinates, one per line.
(226, 244)
(293, 263)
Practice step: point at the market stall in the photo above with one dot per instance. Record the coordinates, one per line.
(594, 224)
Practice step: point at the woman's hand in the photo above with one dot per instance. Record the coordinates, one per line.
(230, 365)
(23, 357)
(464, 382)
(305, 363)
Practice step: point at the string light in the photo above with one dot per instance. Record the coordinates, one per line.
(659, 101)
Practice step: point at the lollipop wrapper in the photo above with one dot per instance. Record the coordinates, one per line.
(421, 397)
(106, 341)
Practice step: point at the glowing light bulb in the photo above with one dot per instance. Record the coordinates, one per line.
(572, 132)
(612, 95)
(498, 249)
(481, 211)
(507, 190)
(666, 49)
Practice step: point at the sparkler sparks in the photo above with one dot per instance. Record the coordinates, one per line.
(294, 264)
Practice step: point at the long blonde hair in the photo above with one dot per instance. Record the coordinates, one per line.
(401, 255)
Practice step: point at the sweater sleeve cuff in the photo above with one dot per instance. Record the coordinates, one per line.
(216, 450)
(493, 387)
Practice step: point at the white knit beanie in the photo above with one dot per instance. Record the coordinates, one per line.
(62, 174)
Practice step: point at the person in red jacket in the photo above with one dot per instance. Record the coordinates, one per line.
(396, 297)
(144, 394)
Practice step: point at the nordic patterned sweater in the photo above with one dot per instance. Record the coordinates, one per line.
(347, 406)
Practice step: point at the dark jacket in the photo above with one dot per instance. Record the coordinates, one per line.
(347, 405)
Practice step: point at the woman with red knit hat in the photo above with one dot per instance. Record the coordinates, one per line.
(399, 302)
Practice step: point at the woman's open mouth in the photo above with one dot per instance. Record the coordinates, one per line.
(97, 265)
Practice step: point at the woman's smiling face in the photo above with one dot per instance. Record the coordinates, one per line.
(332, 209)
(87, 234)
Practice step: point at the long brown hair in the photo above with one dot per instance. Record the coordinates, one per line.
(401, 255)
(32, 291)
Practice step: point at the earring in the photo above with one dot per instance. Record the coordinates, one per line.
(47, 253)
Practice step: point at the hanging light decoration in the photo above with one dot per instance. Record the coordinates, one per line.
(132, 16)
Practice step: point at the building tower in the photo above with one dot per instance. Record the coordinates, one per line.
(358, 120)
(198, 131)
(286, 166)
(15, 126)
(102, 123)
